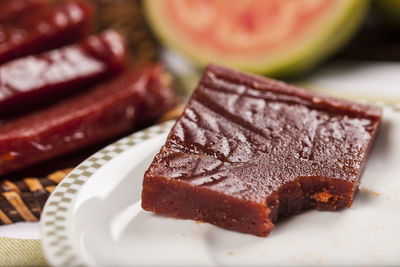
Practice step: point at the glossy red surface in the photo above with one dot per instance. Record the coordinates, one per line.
(261, 149)
(36, 32)
(108, 110)
(27, 81)
(12, 10)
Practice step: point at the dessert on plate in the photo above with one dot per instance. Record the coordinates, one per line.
(249, 150)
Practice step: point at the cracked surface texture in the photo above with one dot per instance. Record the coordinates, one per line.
(276, 148)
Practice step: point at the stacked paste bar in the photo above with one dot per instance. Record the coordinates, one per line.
(12, 10)
(108, 110)
(32, 80)
(248, 150)
(42, 28)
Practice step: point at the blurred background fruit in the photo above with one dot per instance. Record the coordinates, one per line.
(275, 38)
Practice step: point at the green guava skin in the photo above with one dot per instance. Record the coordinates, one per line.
(335, 35)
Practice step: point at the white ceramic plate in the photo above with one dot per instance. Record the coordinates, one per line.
(94, 217)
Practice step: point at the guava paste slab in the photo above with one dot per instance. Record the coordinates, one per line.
(12, 10)
(32, 80)
(111, 109)
(48, 29)
(248, 150)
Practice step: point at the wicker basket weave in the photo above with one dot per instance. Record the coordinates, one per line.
(23, 200)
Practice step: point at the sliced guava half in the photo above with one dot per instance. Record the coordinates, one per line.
(272, 37)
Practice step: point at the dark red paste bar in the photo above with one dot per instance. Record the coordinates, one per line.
(41, 31)
(26, 81)
(249, 150)
(11, 10)
(109, 110)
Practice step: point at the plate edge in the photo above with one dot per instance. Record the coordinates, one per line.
(54, 225)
